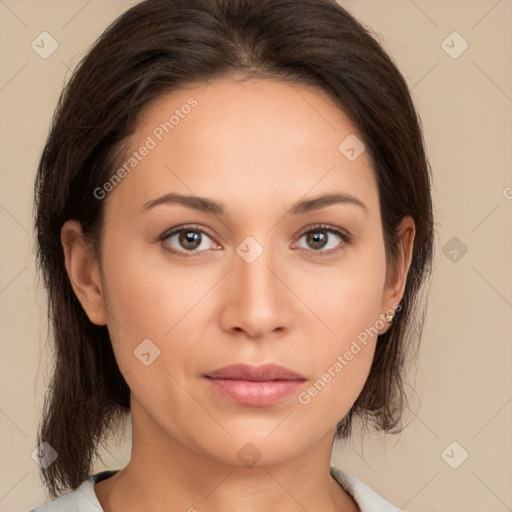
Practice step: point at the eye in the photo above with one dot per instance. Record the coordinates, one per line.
(190, 239)
(318, 238)
(187, 239)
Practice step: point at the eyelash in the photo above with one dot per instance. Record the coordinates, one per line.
(347, 239)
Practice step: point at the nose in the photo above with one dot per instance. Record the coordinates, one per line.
(256, 299)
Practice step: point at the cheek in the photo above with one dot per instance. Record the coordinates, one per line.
(338, 383)
(342, 361)
(145, 297)
(133, 303)
(133, 298)
(347, 299)
(144, 307)
(348, 303)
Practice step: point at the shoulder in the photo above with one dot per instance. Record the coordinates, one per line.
(365, 497)
(82, 499)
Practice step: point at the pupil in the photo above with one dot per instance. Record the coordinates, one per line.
(317, 239)
(190, 239)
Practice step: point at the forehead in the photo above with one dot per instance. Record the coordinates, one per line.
(260, 138)
(272, 113)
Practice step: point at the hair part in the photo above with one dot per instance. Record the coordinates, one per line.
(158, 46)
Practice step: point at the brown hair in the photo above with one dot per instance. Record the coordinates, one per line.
(160, 45)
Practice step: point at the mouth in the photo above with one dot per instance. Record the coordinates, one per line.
(255, 385)
(265, 372)
(255, 393)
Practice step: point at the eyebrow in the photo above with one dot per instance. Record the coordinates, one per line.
(206, 205)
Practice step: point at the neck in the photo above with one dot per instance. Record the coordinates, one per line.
(164, 473)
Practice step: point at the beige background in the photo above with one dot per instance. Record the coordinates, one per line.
(461, 388)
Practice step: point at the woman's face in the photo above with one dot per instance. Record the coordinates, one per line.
(255, 287)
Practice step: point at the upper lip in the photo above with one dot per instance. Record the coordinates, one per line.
(265, 372)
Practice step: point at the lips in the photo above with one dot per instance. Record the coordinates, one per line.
(255, 386)
(263, 373)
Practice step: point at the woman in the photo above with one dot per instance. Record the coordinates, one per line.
(234, 219)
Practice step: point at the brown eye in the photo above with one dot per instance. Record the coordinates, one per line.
(189, 239)
(185, 240)
(320, 238)
(317, 239)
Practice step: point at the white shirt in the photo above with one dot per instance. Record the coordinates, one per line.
(84, 499)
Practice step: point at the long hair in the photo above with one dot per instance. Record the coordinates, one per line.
(161, 45)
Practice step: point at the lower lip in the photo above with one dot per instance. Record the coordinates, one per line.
(258, 393)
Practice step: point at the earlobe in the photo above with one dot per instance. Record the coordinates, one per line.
(83, 271)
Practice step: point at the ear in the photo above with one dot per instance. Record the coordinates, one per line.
(396, 278)
(83, 271)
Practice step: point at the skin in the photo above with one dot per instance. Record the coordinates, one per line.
(258, 147)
